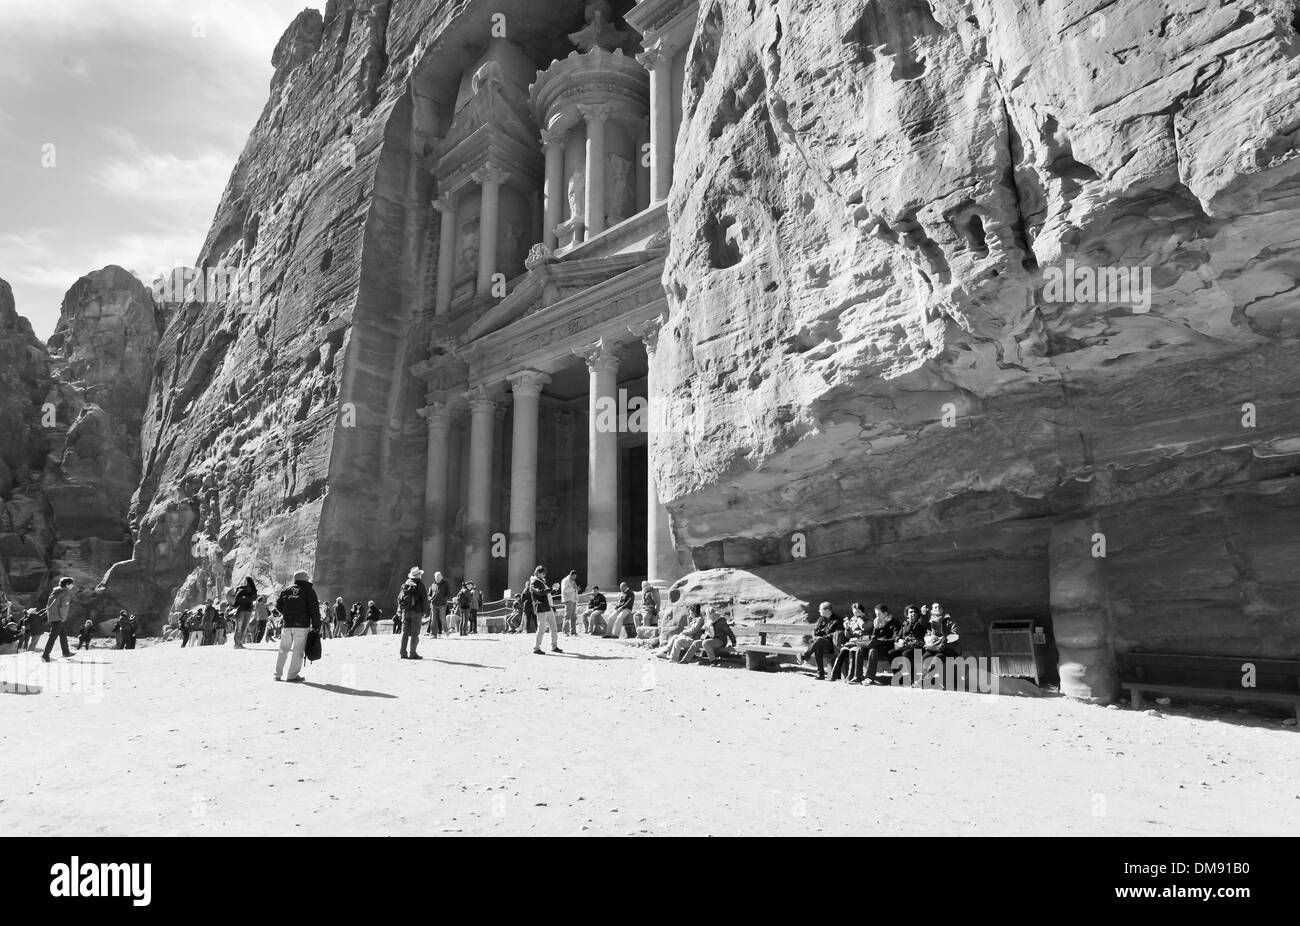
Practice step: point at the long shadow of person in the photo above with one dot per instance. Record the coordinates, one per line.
(339, 689)
(472, 665)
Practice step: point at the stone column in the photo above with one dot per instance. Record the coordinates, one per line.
(595, 116)
(489, 179)
(527, 386)
(602, 465)
(661, 554)
(554, 206)
(658, 60)
(1080, 616)
(478, 524)
(446, 204)
(434, 552)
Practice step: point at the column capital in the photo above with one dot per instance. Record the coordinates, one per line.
(436, 414)
(595, 111)
(528, 383)
(490, 173)
(446, 203)
(481, 399)
(603, 355)
(648, 331)
(553, 138)
(658, 53)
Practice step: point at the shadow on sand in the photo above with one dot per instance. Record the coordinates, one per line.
(339, 689)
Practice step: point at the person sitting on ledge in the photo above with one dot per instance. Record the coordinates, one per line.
(941, 638)
(855, 636)
(718, 638)
(622, 614)
(823, 642)
(690, 636)
(593, 619)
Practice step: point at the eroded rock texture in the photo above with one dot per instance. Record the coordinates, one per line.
(869, 197)
(71, 418)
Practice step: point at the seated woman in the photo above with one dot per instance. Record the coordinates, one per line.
(855, 630)
(514, 616)
(823, 642)
(691, 633)
(718, 638)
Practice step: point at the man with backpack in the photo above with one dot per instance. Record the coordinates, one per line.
(412, 605)
(439, 596)
(300, 611)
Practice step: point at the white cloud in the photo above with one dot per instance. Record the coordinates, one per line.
(179, 185)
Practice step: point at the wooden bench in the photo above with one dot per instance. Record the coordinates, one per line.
(761, 654)
(1210, 677)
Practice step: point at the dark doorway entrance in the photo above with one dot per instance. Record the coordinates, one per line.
(634, 471)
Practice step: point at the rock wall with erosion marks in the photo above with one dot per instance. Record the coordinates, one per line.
(73, 410)
(281, 431)
(876, 204)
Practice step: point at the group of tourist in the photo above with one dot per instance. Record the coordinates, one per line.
(855, 644)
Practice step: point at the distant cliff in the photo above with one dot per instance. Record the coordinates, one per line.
(70, 416)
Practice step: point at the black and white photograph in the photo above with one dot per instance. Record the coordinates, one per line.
(653, 418)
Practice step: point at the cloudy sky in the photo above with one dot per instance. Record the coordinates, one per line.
(120, 121)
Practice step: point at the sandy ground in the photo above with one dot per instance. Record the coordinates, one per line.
(483, 737)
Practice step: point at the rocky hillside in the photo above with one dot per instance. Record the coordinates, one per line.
(71, 413)
(891, 393)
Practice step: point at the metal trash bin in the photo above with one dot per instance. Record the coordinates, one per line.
(1023, 648)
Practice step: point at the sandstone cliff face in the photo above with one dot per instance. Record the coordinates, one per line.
(871, 200)
(71, 418)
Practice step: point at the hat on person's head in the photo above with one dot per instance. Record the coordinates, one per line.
(415, 572)
(539, 570)
(573, 572)
(302, 576)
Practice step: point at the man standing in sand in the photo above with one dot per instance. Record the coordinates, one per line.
(300, 611)
(541, 596)
(412, 605)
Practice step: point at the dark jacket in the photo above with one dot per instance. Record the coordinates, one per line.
(373, 612)
(626, 601)
(245, 597)
(439, 592)
(884, 631)
(418, 593)
(340, 613)
(720, 630)
(311, 605)
(911, 631)
(597, 602)
(829, 625)
(540, 593)
(944, 627)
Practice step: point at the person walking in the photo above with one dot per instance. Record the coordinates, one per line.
(340, 618)
(59, 609)
(541, 597)
(132, 628)
(475, 605)
(300, 610)
(245, 600)
(569, 598)
(412, 606)
(439, 596)
(261, 614)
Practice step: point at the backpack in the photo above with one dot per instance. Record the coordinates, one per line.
(462, 599)
(409, 599)
(289, 602)
(312, 651)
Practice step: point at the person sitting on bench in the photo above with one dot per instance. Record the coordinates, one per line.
(882, 638)
(941, 638)
(622, 614)
(823, 643)
(718, 638)
(855, 634)
(910, 636)
(690, 636)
